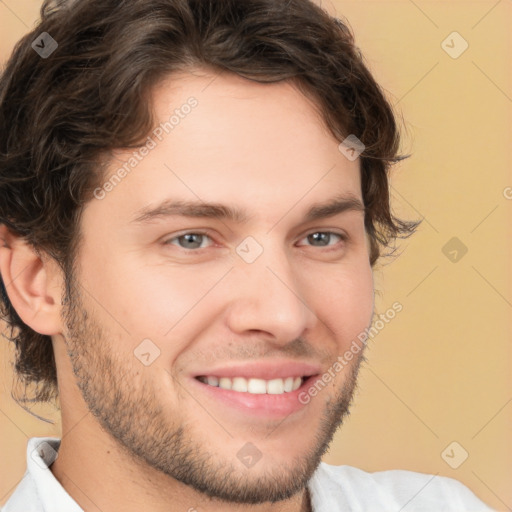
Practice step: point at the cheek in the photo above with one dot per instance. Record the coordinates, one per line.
(139, 300)
(346, 304)
(168, 304)
(166, 301)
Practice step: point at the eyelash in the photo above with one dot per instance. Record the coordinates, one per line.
(343, 237)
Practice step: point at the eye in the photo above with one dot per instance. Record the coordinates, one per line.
(190, 240)
(194, 239)
(324, 237)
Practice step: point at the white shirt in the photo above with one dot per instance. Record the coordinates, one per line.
(332, 488)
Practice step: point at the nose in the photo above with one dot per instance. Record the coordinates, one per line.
(269, 296)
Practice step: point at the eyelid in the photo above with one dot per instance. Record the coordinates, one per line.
(343, 236)
(209, 233)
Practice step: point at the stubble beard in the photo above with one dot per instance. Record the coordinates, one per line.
(127, 409)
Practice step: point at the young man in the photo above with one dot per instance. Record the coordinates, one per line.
(193, 195)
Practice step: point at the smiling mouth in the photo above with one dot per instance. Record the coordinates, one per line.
(254, 386)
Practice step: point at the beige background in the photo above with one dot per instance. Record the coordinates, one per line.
(441, 370)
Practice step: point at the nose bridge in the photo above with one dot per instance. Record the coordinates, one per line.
(269, 295)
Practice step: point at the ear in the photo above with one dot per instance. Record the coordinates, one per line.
(33, 283)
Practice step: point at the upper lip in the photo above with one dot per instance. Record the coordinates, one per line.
(267, 370)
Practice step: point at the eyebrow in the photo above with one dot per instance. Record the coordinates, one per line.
(201, 209)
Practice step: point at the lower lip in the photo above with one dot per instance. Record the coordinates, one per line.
(276, 406)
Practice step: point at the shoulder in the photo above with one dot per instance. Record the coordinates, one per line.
(24, 497)
(355, 489)
(39, 490)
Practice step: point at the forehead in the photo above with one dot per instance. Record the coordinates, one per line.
(223, 138)
(240, 112)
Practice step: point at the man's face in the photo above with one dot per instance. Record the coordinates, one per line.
(276, 296)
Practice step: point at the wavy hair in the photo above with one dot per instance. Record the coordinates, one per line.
(60, 116)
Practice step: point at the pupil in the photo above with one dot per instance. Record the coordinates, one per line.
(190, 239)
(322, 237)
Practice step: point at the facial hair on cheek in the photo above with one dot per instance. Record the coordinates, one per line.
(126, 407)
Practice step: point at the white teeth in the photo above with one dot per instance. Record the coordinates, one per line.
(213, 381)
(275, 387)
(288, 384)
(255, 386)
(239, 384)
(225, 383)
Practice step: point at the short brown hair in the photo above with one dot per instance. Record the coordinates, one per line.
(61, 115)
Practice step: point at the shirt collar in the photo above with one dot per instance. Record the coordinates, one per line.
(41, 453)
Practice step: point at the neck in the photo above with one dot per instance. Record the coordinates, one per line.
(85, 470)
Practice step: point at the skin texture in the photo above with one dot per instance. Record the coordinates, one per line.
(142, 437)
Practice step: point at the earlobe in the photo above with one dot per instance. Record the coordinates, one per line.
(31, 283)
